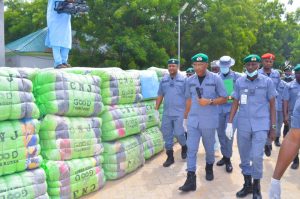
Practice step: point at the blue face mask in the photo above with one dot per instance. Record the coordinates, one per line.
(251, 74)
(224, 70)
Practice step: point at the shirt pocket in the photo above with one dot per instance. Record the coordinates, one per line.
(165, 86)
(261, 93)
(209, 91)
(179, 85)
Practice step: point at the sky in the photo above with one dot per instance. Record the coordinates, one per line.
(293, 7)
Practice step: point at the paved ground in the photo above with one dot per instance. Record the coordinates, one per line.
(153, 181)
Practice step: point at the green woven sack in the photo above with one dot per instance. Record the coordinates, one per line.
(28, 184)
(118, 87)
(74, 178)
(67, 94)
(153, 142)
(125, 120)
(16, 98)
(122, 156)
(64, 138)
(159, 71)
(19, 145)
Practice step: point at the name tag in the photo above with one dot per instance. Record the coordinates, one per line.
(244, 99)
(210, 84)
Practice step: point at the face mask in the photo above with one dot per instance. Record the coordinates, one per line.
(224, 70)
(251, 74)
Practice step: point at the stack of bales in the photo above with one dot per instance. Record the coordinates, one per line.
(124, 118)
(151, 136)
(70, 132)
(20, 176)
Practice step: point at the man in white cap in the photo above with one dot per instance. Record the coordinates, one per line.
(229, 78)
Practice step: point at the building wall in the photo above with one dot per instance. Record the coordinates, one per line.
(29, 61)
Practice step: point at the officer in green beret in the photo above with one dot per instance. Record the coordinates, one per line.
(254, 102)
(190, 71)
(172, 92)
(204, 91)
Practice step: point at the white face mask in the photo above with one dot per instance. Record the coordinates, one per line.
(224, 70)
(251, 74)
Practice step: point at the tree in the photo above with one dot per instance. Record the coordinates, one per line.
(22, 18)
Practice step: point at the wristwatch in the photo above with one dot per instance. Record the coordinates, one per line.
(274, 126)
(211, 101)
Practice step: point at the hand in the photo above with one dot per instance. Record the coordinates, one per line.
(185, 125)
(272, 134)
(275, 189)
(203, 101)
(229, 131)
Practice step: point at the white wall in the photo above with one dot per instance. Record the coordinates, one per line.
(29, 61)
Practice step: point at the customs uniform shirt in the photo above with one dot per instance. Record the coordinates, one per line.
(274, 75)
(254, 97)
(173, 91)
(212, 87)
(279, 97)
(290, 94)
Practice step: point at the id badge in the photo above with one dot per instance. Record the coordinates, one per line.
(244, 99)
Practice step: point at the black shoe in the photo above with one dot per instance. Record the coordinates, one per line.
(256, 190)
(268, 149)
(277, 142)
(170, 159)
(295, 164)
(229, 167)
(247, 187)
(183, 152)
(209, 172)
(190, 183)
(221, 162)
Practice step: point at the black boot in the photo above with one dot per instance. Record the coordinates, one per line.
(268, 150)
(256, 190)
(295, 164)
(277, 142)
(190, 183)
(247, 187)
(229, 167)
(170, 159)
(209, 172)
(183, 152)
(221, 162)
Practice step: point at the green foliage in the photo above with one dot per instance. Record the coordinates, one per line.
(138, 34)
(23, 17)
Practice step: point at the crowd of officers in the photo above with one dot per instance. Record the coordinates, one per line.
(255, 104)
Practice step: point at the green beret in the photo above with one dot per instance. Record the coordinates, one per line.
(173, 61)
(297, 68)
(200, 57)
(190, 70)
(252, 58)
